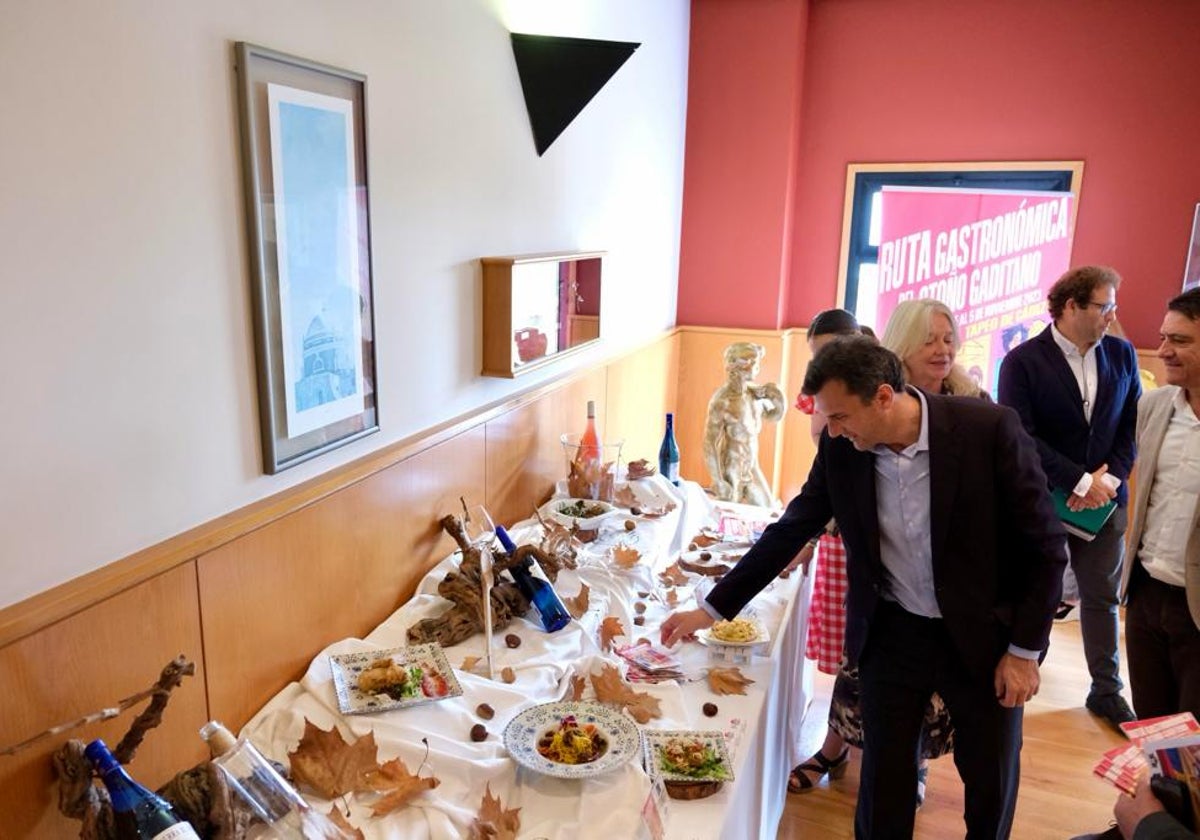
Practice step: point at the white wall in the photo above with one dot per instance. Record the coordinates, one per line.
(129, 409)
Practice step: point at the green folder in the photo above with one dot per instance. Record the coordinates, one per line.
(1084, 524)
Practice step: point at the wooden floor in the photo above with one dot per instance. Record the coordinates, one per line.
(1059, 797)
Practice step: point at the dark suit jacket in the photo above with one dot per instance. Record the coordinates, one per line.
(1036, 381)
(998, 549)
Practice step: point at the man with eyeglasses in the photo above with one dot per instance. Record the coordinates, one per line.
(1076, 390)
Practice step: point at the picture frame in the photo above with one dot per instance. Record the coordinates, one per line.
(1191, 268)
(304, 166)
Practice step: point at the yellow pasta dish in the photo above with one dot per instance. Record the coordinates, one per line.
(571, 743)
(735, 630)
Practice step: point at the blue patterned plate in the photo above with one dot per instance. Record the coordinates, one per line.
(522, 734)
(429, 678)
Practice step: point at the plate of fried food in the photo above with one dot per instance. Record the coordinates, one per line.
(737, 632)
(376, 681)
(687, 756)
(572, 739)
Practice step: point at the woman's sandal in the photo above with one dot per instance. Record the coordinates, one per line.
(800, 782)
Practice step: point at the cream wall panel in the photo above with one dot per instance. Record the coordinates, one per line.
(134, 394)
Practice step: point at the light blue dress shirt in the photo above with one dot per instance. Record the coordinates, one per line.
(902, 502)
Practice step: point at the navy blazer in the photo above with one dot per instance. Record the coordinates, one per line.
(1036, 381)
(998, 549)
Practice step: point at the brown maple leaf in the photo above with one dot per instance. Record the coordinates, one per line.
(610, 628)
(399, 786)
(469, 663)
(626, 556)
(673, 575)
(326, 763)
(625, 497)
(728, 681)
(493, 822)
(610, 688)
(641, 468)
(578, 683)
(703, 540)
(672, 597)
(335, 817)
(655, 513)
(578, 605)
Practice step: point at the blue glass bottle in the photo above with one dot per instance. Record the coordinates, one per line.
(138, 813)
(668, 453)
(531, 580)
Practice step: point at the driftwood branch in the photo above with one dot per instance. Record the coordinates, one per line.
(78, 797)
(464, 587)
(178, 668)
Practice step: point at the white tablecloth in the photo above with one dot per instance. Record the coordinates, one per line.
(764, 723)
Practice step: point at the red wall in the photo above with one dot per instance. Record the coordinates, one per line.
(1113, 83)
(739, 171)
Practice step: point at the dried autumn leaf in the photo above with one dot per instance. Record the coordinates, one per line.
(672, 598)
(469, 663)
(625, 497)
(578, 605)
(610, 688)
(610, 628)
(673, 575)
(493, 822)
(626, 556)
(578, 683)
(728, 681)
(335, 817)
(393, 779)
(703, 540)
(640, 468)
(326, 763)
(655, 513)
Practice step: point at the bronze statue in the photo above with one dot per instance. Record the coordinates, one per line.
(735, 418)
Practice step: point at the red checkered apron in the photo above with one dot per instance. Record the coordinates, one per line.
(827, 613)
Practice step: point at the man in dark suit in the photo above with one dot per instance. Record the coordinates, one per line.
(1076, 391)
(954, 559)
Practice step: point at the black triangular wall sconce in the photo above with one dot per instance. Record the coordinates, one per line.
(559, 76)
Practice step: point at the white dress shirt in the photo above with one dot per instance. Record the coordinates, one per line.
(1172, 506)
(1083, 368)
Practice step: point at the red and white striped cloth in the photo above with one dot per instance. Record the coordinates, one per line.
(827, 613)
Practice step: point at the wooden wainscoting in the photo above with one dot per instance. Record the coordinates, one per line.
(701, 373)
(87, 662)
(252, 596)
(336, 568)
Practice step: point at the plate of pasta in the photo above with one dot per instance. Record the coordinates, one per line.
(737, 632)
(571, 739)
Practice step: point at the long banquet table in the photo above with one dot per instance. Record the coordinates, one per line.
(763, 726)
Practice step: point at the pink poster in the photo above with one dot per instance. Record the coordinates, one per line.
(990, 255)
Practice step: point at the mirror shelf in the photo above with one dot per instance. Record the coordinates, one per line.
(538, 308)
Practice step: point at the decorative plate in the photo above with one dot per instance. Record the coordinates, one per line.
(558, 510)
(421, 671)
(703, 756)
(523, 732)
(707, 638)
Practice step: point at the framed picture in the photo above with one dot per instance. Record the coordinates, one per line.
(304, 157)
(1191, 269)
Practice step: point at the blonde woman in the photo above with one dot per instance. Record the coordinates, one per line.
(924, 334)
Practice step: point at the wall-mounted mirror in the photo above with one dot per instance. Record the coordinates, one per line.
(538, 307)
